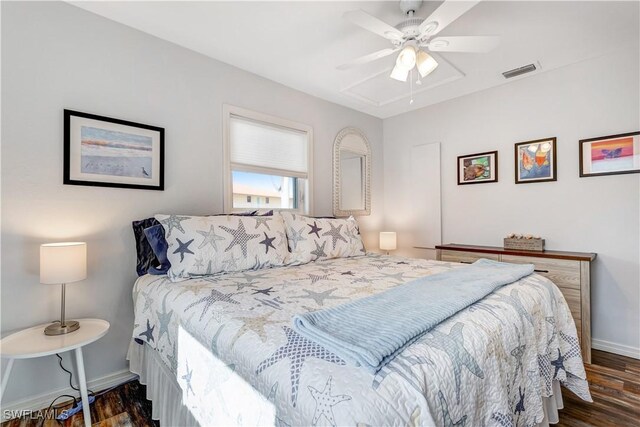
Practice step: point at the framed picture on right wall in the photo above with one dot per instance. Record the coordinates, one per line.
(610, 155)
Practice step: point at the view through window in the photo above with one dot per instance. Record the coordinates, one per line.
(262, 191)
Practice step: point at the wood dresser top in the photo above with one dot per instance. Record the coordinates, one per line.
(576, 256)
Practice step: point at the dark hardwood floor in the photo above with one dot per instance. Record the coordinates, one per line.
(124, 406)
(614, 381)
(615, 387)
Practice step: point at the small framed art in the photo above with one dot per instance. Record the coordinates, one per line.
(535, 161)
(610, 155)
(106, 152)
(478, 168)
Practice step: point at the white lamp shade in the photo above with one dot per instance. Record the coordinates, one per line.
(388, 240)
(400, 74)
(63, 262)
(407, 58)
(425, 63)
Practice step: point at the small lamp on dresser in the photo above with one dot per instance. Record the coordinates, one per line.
(62, 263)
(388, 241)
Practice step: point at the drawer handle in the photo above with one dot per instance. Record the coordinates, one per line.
(541, 271)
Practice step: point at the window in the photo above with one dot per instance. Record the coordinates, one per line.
(267, 162)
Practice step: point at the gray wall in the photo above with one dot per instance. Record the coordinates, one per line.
(598, 214)
(56, 56)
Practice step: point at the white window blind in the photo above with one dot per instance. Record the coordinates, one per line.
(267, 146)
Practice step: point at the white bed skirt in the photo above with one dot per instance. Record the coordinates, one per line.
(165, 393)
(552, 404)
(162, 388)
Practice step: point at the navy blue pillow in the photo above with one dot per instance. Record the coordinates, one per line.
(248, 213)
(159, 245)
(145, 257)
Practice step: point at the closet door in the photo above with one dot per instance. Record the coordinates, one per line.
(425, 194)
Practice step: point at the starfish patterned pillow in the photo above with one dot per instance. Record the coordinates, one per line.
(207, 245)
(311, 239)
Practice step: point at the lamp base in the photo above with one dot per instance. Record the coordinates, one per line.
(57, 329)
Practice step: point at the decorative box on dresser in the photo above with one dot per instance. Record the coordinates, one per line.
(570, 271)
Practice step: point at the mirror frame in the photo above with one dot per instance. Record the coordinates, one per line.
(337, 169)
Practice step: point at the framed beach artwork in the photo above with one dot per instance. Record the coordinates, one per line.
(535, 161)
(610, 155)
(107, 152)
(478, 168)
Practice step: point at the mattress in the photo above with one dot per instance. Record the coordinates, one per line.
(228, 341)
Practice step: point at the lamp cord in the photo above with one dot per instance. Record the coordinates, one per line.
(75, 400)
(70, 376)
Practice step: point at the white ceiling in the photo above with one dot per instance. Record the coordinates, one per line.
(299, 44)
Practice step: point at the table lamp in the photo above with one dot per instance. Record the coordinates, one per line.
(388, 241)
(62, 263)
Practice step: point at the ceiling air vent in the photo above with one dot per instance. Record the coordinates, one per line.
(519, 71)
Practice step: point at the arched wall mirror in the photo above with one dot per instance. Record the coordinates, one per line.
(351, 173)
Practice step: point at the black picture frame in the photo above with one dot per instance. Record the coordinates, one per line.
(460, 167)
(581, 158)
(553, 166)
(75, 177)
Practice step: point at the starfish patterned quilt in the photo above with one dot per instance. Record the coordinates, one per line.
(228, 340)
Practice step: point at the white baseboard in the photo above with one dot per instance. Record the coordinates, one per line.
(43, 401)
(612, 347)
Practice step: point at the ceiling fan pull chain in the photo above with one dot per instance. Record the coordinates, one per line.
(411, 86)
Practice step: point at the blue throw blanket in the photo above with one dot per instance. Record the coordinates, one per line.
(373, 330)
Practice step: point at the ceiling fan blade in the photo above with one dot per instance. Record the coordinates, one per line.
(444, 15)
(373, 24)
(471, 44)
(368, 58)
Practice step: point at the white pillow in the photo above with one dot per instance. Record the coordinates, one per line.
(315, 238)
(205, 245)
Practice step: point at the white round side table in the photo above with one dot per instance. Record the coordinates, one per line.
(32, 342)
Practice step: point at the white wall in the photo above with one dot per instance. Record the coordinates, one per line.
(56, 56)
(598, 214)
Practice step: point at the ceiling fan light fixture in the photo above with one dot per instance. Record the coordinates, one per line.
(399, 73)
(425, 63)
(407, 58)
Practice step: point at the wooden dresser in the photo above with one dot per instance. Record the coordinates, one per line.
(570, 271)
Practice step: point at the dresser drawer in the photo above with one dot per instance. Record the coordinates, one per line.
(564, 273)
(572, 296)
(465, 257)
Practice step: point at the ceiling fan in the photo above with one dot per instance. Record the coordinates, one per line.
(414, 36)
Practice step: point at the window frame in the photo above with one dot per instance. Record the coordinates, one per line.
(230, 110)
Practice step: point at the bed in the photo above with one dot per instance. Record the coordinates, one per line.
(221, 350)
